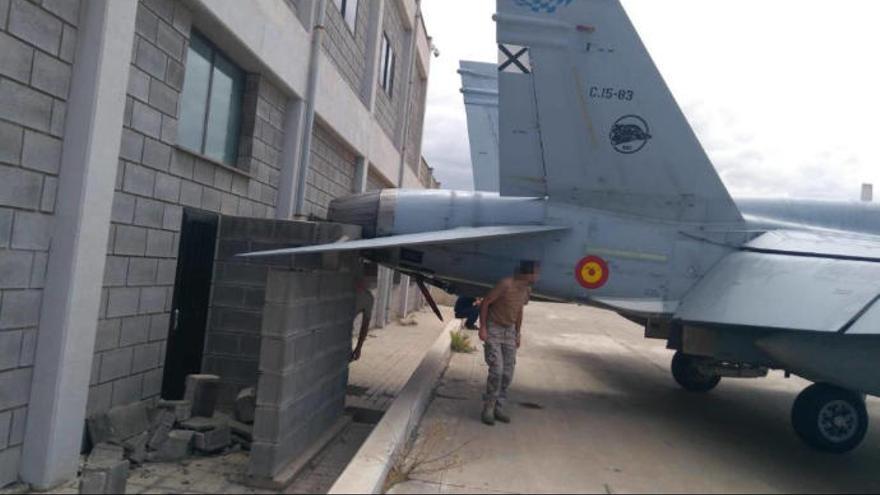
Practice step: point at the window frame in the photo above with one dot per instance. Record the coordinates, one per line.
(344, 10)
(202, 151)
(387, 62)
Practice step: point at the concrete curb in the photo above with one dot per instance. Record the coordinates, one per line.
(367, 471)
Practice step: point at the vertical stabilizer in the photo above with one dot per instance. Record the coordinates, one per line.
(479, 85)
(609, 132)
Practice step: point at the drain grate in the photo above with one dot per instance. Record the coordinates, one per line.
(356, 391)
(365, 416)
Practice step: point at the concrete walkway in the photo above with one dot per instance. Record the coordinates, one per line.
(595, 410)
(389, 357)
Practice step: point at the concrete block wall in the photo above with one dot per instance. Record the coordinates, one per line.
(346, 48)
(155, 181)
(332, 172)
(238, 293)
(389, 109)
(37, 47)
(306, 346)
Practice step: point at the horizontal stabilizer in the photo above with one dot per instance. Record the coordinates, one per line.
(784, 292)
(450, 236)
(838, 245)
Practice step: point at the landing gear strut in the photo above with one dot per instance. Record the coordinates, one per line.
(830, 418)
(688, 373)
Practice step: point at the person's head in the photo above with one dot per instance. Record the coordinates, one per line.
(529, 271)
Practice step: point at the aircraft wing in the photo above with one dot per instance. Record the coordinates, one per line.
(463, 234)
(798, 291)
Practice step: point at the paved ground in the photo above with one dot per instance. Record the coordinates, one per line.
(597, 411)
(389, 357)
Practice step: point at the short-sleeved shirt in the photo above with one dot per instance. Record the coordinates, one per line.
(505, 310)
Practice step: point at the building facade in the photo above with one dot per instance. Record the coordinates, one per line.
(120, 120)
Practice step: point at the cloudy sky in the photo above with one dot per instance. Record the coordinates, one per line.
(783, 94)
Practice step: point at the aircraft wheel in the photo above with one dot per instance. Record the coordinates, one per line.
(687, 373)
(830, 418)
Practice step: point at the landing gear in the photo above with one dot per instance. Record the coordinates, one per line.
(688, 373)
(830, 418)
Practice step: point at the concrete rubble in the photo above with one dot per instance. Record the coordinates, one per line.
(170, 431)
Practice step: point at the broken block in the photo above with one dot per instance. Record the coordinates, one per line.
(100, 430)
(118, 424)
(162, 426)
(182, 409)
(106, 451)
(136, 448)
(246, 405)
(246, 432)
(198, 423)
(202, 391)
(104, 476)
(175, 447)
(212, 441)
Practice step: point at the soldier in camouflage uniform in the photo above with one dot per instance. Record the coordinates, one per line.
(501, 331)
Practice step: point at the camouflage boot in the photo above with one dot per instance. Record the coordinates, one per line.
(489, 413)
(500, 416)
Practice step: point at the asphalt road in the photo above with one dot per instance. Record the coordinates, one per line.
(595, 409)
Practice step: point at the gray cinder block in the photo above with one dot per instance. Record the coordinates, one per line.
(212, 441)
(182, 409)
(202, 392)
(175, 448)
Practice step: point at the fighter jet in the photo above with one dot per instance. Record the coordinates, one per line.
(604, 182)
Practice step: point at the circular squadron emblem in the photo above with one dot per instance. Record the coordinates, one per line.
(592, 272)
(545, 6)
(630, 134)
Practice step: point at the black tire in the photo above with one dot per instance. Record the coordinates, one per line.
(829, 418)
(687, 373)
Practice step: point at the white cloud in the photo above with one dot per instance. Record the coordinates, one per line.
(784, 95)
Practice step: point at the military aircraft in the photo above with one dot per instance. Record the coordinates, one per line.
(604, 182)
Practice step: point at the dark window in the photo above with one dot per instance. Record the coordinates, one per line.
(210, 108)
(387, 62)
(349, 9)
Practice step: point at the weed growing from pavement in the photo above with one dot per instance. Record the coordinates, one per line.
(461, 343)
(419, 457)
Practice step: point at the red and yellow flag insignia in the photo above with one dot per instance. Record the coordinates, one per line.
(592, 272)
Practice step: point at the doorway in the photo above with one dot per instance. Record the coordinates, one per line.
(189, 310)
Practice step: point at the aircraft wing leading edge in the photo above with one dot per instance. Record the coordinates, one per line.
(450, 236)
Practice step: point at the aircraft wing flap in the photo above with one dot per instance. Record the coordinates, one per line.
(785, 292)
(463, 234)
(817, 243)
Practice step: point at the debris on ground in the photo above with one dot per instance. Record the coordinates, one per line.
(170, 431)
(246, 406)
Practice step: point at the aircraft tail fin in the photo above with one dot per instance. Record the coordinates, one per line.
(479, 85)
(609, 133)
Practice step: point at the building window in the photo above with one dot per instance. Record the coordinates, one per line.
(210, 108)
(349, 9)
(387, 62)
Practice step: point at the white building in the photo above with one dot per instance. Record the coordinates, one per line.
(125, 122)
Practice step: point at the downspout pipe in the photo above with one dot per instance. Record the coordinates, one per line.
(311, 90)
(407, 110)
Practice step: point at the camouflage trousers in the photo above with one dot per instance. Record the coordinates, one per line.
(500, 351)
